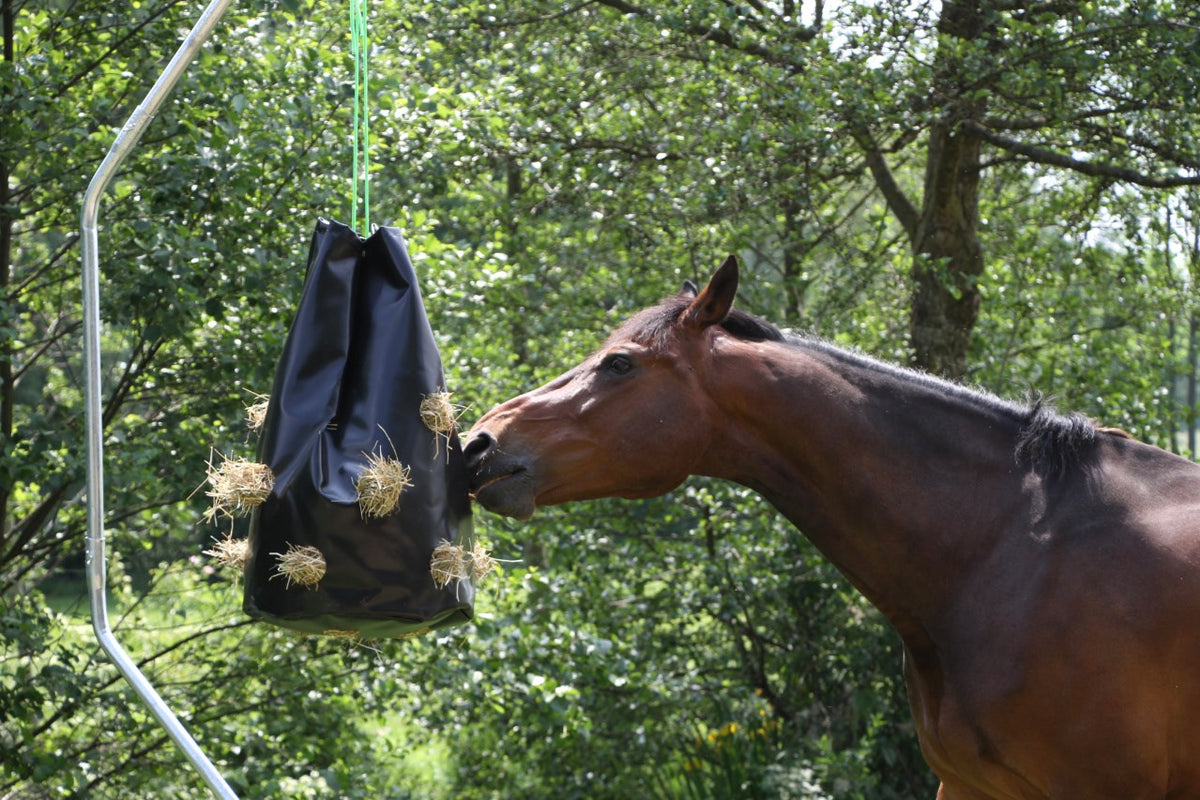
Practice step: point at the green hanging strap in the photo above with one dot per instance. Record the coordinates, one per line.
(359, 50)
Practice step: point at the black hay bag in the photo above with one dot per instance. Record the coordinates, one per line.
(358, 362)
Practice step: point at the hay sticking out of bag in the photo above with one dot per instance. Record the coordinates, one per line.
(438, 413)
(482, 563)
(448, 563)
(453, 562)
(237, 485)
(440, 416)
(303, 565)
(380, 485)
(256, 413)
(230, 552)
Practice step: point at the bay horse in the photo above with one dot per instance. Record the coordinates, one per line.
(1043, 573)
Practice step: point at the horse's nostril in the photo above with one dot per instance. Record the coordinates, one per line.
(477, 448)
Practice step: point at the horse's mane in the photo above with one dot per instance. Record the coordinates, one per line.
(1054, 443)
(1048, 442)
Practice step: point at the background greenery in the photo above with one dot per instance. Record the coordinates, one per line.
(1001, 191)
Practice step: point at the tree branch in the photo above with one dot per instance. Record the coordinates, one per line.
(1158, 148)
(1044, 121)
(901, 207)
(1044, 155)
(720, 36)
(115, 47)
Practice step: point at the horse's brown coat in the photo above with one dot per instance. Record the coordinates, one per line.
(1049, 605)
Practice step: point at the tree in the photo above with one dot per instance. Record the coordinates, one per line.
(1102, 90)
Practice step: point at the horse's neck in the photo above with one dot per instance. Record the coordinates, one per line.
(901, 482)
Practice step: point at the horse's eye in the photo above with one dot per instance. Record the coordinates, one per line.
(617, 364)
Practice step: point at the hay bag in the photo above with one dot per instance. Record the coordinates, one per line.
(363, 487)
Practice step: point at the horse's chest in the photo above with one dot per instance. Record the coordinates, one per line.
(1065, 708)
(962, 737)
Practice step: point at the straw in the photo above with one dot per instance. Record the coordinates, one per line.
(452, 562)
(448, 563)
(438, 413)
(440, 416)
(303, 565)
(256, 413)
(237, 485)
(380, 485)
(230, 552)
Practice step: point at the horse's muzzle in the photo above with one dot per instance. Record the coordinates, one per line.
(501, 482)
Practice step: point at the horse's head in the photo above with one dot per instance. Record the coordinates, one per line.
(631, 420)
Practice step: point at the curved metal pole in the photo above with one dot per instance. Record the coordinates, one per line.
(96, 573)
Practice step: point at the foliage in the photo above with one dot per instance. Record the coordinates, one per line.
(554, 167)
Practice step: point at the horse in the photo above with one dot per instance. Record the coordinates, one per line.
(1043, 573)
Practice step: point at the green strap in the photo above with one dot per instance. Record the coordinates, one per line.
(359, 50)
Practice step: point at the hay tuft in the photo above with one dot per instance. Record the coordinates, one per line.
(256, 413)
(230, 552)
(303, 565)
(438, 413)
(452, 562)
(448, 563)
(482, 563)
(380, 485)
(440, 416)
(237, 485)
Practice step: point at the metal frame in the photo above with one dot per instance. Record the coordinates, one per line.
(126, 140)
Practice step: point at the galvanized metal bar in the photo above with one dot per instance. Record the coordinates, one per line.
(126, 140)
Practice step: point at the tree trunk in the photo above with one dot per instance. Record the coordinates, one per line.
(947, 256)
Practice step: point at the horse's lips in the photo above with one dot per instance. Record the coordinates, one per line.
(497, 479)
(507, 493)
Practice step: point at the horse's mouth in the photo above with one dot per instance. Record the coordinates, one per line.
(509, 493)
(495, 479)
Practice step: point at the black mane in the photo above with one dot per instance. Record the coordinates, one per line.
(1048, 442)
(1051, 443)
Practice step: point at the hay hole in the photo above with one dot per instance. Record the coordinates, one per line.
(380, 485)
(303, 565)
(237, 485)
(230, 552)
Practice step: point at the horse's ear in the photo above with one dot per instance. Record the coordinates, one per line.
(689, 289)
(712, 306)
